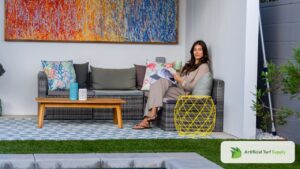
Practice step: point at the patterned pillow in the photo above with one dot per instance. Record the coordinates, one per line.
(152, 68)
(60, 74)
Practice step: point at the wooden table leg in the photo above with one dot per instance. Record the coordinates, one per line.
(115, 115)
(119, 116)
(41, 115)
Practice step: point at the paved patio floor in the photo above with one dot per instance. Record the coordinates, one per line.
(25, 128)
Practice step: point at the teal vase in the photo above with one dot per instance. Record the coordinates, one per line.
(73, 91)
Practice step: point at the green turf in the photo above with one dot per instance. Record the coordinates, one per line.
(208, 148)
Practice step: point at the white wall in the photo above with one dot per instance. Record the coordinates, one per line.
(21, 60)
(230, 32)
(231, 36)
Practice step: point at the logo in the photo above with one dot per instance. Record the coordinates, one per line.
(257, 152)
(235, 152)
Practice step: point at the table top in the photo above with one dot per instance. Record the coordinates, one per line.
(89, 100)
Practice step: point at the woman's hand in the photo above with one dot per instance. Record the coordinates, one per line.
(178, 78)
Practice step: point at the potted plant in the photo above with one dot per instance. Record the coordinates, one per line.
(285, 78)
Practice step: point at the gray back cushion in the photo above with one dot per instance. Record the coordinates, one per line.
(204, 85)
(140, 75)
(121, 79)
(1, 70)
(82, 73)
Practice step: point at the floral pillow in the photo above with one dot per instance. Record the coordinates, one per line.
(60, 74)
(152, 68)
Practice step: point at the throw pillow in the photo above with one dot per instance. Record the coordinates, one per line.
(152, 68)
(82, 73)
(60, 74)
(120, 79)
(140, 75)
(1, 70)
(204, 85)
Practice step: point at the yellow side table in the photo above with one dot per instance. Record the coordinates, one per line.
(194, 115)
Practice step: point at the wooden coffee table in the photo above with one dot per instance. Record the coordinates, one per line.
(115, 104)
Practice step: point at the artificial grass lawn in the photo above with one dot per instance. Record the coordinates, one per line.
(208, 148)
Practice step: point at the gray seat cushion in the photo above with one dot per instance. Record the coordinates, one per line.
(118, 93)
(65, 93)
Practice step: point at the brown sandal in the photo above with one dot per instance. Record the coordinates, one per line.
(141, 126)
(152, 118)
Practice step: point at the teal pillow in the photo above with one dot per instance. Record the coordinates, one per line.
(113, 79)
(60, 74)
(204, 85)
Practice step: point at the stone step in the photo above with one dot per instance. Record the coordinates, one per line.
(106, 160)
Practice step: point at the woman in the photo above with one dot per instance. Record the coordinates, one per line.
(193, 70)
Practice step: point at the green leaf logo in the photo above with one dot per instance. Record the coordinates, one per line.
(235, 152)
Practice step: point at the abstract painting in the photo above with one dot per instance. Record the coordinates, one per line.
(112, 21)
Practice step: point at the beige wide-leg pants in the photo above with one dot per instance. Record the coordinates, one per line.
(162, 88)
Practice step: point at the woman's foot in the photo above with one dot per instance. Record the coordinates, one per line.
(142, 125)
(152, 115)
(152, 118)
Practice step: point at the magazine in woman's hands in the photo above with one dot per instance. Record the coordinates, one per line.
(166, 73)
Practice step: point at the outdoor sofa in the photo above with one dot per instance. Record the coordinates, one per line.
(133, 109)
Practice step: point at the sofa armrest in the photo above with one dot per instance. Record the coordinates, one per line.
(169, 101)
(42, 84)
(218, 94)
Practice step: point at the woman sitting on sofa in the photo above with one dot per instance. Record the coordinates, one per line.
(193, 70)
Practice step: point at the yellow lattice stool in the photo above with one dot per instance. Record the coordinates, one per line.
(194, 115)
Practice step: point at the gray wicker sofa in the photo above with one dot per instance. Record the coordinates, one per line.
(132, 110)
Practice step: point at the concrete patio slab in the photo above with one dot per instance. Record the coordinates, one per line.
(106, 160)
(131, 160)
(190, 164)
(178, 155)
(51, 161)
(17, 161)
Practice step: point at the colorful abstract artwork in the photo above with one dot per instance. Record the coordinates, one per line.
(116, 21)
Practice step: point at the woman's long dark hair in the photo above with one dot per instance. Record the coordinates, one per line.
(190, 65)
